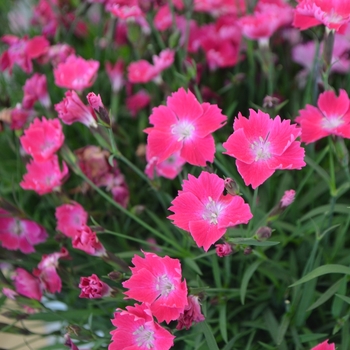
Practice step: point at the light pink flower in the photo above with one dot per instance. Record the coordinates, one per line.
(202, 209)
(324, 346)
(220, 7)
(19, 117)
(141, 72)
(95, 101)
(262, 145)
(76, 73)
(137, 101)
(116, 74)
(164, 60)
(192, 313)
(184, 125)
(124, 9)
(9, 293)
(35, 89)
(222, 250)
(27, 284)
(334, 14)
(44, 177)
(20, 234)
(22, 51)
(93, 288)
(163, 18)
(87, 241)
(137, 330)
(157, 281)
(287, 199)
(332, 117)
(43, 138)
(70, 218)
(57, 54)
(71, 110)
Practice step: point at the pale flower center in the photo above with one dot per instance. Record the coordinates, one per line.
(144, 337)
(183, 130)
(17, 228)
(164, 285)
(212, 211)
(261, 149)
(331, 123)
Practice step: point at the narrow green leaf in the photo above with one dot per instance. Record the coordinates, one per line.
(305, 338)
(246, 278)
(250, 241)
(326, 295)
(282, 329)
(271, 324)
(193, 265)
(337, 305)
(222, 322)
(216, 271)
(209, 336)
(8, 328)
(346, 299)
(322, 270)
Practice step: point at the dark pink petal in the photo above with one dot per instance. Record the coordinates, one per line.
(333, 106)
(237, 212)
(199, 151)
(163, 118)
(185, 105)
(254, 174)
(210, 121)
(292, 158)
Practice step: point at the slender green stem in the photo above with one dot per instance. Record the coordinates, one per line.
(332, 184)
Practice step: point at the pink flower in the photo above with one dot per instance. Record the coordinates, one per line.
(46, 271)
(70, 218)
(141, 72)
(57, 54)
(27, 285)
(137, 330)
(157, 281)
(184, 125)
(69, 342)
(137, 101)
(44, 177)
(95, 101)
(71, 110)
(115, 74)
(223, 249)
(42, 139)
(220, 7)
(93, 288)
(202, 209)
(163, 19)
(164, 60)
(19, 117)
(76, 73)
(22, 52)
(262, 145)
(334, 14)
(332, 117)
(169, 168)
(192, 313)
(124, 9)
(9, 293)
(87, 241)
(35, 89)
(287, 199)
(20, 234)
(324, 346)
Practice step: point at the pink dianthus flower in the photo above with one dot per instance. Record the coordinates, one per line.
(184, 125)
(115, 74)
(87, 241)
(332, 117)
(136, 329)
(192, 313)
(76, 73)
(287, 199)
(202, 209)
(43, 138)
(28, 285)
(157, 281)
(44, 177)
(93, 288)
(262, 145)
(324, 346)
(35, 89)
(224, 249)
(138, 101)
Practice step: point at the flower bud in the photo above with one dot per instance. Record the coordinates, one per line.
(263, 233)
(247, 251)
(231, 186)
(192, 313)
(223, 249)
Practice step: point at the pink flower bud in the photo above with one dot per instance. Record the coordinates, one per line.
(223, 249)
(287, 199)
(93, 288)
(192, 313)
(87, 241)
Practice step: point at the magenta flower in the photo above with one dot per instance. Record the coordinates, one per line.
(27, 284)
(19, 117)
(71, 110)
(324, 346)
(70, 218)
(287, 199)
(20, 234)
(192, 313)
(76, 73)
(35, 89)
(42, 139)
(332, 117)
(93, 288)
(184, 125)
(222, 250)
(136, 329)
(202, 209)
(116, 74)
(138, 101)
(157, 281)
(44, 177)
(262, 145)
(87, 241)
(141, 72)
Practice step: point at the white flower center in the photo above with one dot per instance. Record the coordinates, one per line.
(164, 285)
(212, 211)
(261, 149)
(144, 337)
(331, 123)
(183, 130)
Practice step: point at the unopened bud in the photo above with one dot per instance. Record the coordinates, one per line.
(231, 186)
(115, 275)
(223, 249)
(263, 233)
(247, 251)
(270, 101)
(287, 199)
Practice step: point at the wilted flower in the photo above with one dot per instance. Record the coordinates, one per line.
(191, 314)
